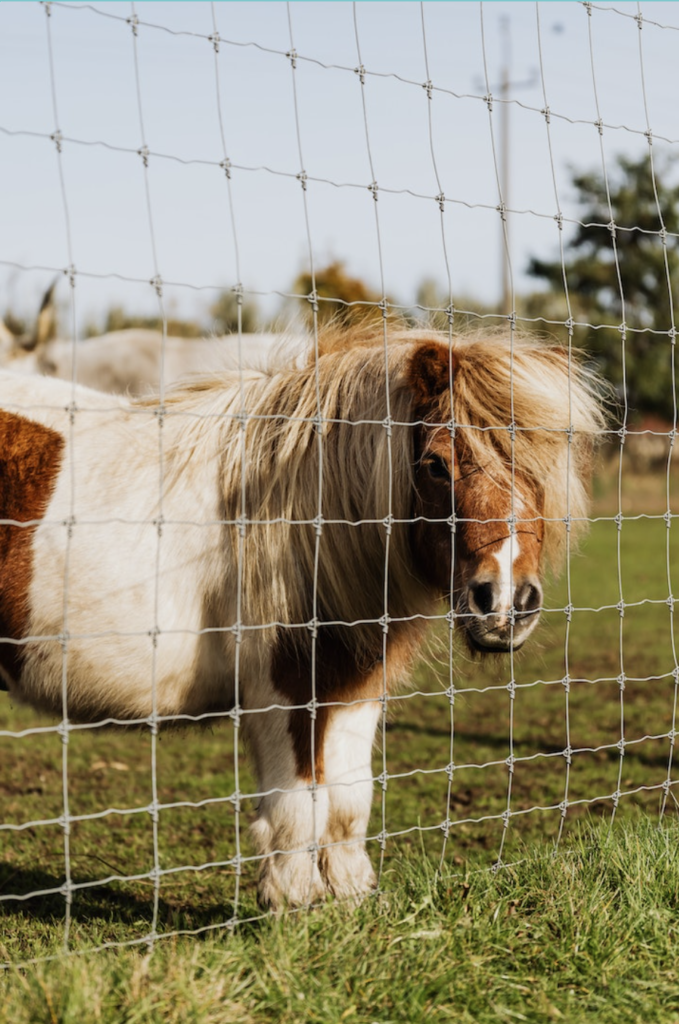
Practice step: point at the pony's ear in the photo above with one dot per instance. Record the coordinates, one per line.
(429, 372)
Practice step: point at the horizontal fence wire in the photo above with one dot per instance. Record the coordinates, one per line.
(448, 686)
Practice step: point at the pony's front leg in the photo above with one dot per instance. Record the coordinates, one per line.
(292, 814)
(349, 737)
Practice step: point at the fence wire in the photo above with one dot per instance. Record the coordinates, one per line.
(448, 684)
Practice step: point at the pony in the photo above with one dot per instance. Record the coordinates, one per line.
(133, 361)
(273, 543)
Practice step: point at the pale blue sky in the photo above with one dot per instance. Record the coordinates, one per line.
(94, 80)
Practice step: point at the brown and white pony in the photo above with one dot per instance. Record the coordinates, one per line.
(311, 520)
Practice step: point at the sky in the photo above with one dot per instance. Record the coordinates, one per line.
(94, 205)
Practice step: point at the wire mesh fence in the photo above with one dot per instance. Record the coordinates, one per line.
(167, 590)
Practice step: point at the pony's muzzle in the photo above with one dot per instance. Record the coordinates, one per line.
(497, 617)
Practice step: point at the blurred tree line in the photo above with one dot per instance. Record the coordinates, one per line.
(223, 315)
(341, 299)
(117, 319)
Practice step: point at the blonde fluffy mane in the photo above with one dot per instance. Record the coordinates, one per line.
(553, 402)
(271, 468)
(551, 397)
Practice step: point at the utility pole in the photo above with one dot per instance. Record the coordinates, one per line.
(506, 38)
(503, 89)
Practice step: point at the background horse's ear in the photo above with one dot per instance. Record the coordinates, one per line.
(46, 324)
(429, 371)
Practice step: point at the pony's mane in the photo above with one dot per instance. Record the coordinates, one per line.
(554, 403)
(547, 393)
(365, 480)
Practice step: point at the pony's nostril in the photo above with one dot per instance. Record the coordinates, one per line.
(528, 597)
(482, 598)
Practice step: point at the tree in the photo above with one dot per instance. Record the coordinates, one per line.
(354, 301)
(224, 313)
(634, 225)
(119, 320)
(433, 301)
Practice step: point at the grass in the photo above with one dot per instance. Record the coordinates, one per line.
(589, 935)
(577, 936)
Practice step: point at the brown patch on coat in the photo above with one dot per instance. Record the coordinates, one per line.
(341, 676)
(30, 457)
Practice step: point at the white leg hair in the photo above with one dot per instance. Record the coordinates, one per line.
(291, 819)
(349, 737)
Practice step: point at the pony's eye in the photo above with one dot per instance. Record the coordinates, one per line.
(437, 467)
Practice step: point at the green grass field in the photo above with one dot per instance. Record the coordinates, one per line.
(584, 936)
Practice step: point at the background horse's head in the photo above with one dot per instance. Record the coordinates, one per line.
(500, 476)
(28, 352)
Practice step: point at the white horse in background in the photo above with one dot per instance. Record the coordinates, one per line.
(133, 361)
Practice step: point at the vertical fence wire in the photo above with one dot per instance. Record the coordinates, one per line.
(388, 427)
(450, 312)
(67, 888)
(612, 227)
(502, 210)
(160, 413)
(672, 334)
(242, 526)
(316, 838)
(317, 787)
(568, 753)
(441, 201)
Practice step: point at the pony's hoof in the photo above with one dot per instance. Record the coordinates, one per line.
(348, 873)
(290, 880)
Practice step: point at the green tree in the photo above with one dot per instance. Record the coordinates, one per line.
(632, 228)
